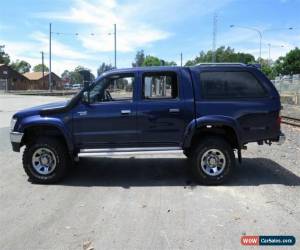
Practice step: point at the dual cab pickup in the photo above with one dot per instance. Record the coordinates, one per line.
(206, 111)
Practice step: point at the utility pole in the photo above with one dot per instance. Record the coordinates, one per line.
(215, 23)
(50, 80)
(181, 59)
(115, 38)
(43, 68)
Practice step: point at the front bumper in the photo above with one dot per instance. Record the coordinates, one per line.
(281, 139)
(16, 139)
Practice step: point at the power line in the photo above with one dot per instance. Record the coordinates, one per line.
(77, 34)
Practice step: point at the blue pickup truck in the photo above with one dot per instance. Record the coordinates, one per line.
(208, 112)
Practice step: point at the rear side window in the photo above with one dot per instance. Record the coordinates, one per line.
(162, 85)
(230, 85)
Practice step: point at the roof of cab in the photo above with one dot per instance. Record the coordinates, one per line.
(171, 68)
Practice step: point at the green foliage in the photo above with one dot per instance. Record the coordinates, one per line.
(166, 63)
(155, 61)
(151, 61)
(289, 64)
(139, 59)
(71, 76)
(74, 76)
(222, 55)
(104, 67)
(39, 68)
(4, 58)
(268, 70)
(21, 66)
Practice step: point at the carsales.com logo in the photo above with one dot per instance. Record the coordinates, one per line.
(253, 240)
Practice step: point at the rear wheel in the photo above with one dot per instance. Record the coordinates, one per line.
(212, 161)
(45, 160)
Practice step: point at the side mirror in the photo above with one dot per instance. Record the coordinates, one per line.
(86, 97)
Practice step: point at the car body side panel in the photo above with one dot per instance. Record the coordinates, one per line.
(62, 123)
(210, 120)
(256, 118)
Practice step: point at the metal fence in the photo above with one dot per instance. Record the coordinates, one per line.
(289, 89)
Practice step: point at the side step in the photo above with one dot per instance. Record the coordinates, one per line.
(129, 151)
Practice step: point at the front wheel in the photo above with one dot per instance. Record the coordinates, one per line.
(212, 161)
(45, 160)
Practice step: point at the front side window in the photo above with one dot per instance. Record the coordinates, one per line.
(160, 86)
(230, 85)
(112, 88)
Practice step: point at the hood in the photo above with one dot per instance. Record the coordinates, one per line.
(37, 109)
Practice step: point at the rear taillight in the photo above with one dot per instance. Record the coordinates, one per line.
(278, 120)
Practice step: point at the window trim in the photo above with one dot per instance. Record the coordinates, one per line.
(159, 73)
(266, 92)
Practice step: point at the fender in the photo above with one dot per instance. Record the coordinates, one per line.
(37, 120)
(214, 120)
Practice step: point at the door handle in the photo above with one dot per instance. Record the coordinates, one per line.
(125, 111)
(174, 110)
(82, 113)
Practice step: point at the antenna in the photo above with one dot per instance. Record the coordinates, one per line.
(215, 24)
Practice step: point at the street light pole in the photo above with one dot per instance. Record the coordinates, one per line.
(181, 59)
(257, 31)
(50, 80)
(115, 43)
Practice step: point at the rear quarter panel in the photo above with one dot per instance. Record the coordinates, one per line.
(256, 119)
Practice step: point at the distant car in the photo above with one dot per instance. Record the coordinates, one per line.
(207, 112)
(68, 86)
(76, 86)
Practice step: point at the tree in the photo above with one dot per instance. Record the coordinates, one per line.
(72, 76)
(65, 74)
(75, 77)
(166, 63)
(39, 68)
(139, 59)
(151, 61)
(21, 66)
(267, 69)
(104, 67)
(222, 55)
(289, 64)
(4, 57)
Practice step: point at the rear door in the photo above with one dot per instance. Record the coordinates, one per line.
(163, 111)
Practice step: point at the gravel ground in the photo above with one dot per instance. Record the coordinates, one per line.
(291, 110)
(147, 202)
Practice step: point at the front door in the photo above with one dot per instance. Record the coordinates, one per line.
(108, 120)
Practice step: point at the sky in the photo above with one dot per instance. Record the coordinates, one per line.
(163, 28)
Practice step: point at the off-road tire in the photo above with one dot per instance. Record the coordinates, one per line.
(61, 155)
(206, 144)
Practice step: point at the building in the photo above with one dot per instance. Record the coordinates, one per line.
(11, 79)
(37, 81)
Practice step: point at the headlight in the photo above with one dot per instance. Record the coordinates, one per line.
(12, 124)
